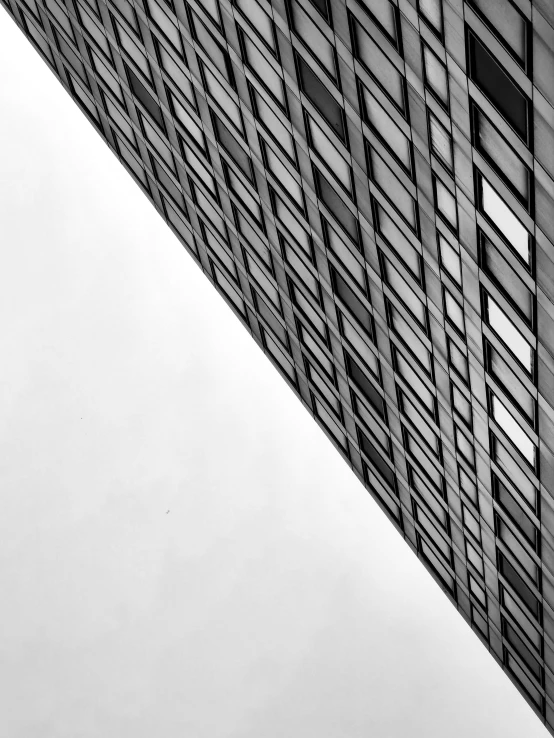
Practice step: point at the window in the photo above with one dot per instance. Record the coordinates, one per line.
(468, 486)
(445, 204)
(500, 155)
(397, 194)
(334, 203)
(508, 225)
(211, 7)
(450, 259)
(454, 312)
(436, 76)
(259, 20)
(60, 14)
(323, 7)
(498, 87)
(221, 254)
(127, 12)
(384, 13)
(275, 325)
(134, 51)
(167, 184)
(384, 126)
(292, 225)
(121, 122)
(414, 344)
(503, 274)
(321, 98)
(351, 301)
(508, 333)
(376, 459)
(354, 338)
(323, 389)
(422, 428)
(165, 24)
(379, 66)
(517, 583)
(188, 124)
(272, 123)
(461, 405)
(508, 24)
(226, 103)
(262, 69)
(301, 270)
(199, 169)
(158, 143)
(71, 57)
(176, 74)
(243, 193)
(145, 98)
(441, 141)
(510, 538)
(315, 41)
(307, 308)
(510, 505)
(526, 490)
(371, 424)
(253, 238)
(261, 278)
(329, 154)
(406, 294)
(522, 649)
(500, 370)
(431, 12)
(363, 383)
(343, 253)
(414, 382)
(107, 77)
(211, 215)
(513, 430)
(213, 49)
(233, 148)
(99, 39)
(287, 181)
(398, 241)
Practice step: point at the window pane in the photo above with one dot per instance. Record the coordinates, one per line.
(387, 130)
(503, 326)
(507, 223)
(435, 75)
(379, 66)
(507, 22)
(441, 140)
(313, 38)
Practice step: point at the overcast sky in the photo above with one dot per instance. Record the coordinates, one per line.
(274, 598)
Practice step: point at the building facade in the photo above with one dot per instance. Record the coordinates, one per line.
(370, 186)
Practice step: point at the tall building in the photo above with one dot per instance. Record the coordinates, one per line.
(370, 186)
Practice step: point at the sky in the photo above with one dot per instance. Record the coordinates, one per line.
(182, 551)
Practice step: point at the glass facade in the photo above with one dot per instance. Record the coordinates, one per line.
(370, 186)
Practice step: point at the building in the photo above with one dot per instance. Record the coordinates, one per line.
(370, 186)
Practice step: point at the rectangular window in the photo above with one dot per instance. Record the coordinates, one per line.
(505, 376)
(507, 224)
(410, 339)
(376, 459)
(213, 49)
(353, 337)
(512, 506)
(436, 76)
(441, 141)
(445, 204)
(165, 24)
(223, 99)
(394, 190)
(243, 194)
(508, 333)
(145, 98)
(431, 12)
(292, 225)
(287, 181)
(351, 301)
(259, 20)
(384, 126)
(60, 14)
(315, 41)
(405, 293)
(514, 473)
(211, 7)
(410, 376)
(272, 123)
(506, 278)
(188, 124)
(384, 13)
(422, 428)
(395, 238)
(363, 383)
(262, 69)
(490, 76)
(121, 122)
(254, 239)
(127, 12)
(158, 143)
(334, 203)
(500, 155)
(321, 98)
(379, 66)
(301, 270)
(323, 389)
(343, 252)
(518, 584)
(278, 330)
(263, 281)
(511, 540)
(134, 51)
(513, 430)
(454, 312)
(233, 148)
(450, 259)
(329, 154)
(508, 24)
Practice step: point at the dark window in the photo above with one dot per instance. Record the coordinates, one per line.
(233, 148)
(518, 584)
(352, 302)
(521, 648)
(330, 198)
(510, 505)
(320, 96)
(375, 457)
(144, 97)
(366, 387)
(495, 83)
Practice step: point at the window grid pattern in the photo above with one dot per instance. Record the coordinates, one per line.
(387, 249)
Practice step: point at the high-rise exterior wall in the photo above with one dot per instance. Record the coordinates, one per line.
(370, 185)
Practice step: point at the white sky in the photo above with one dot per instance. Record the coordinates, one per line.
(274, 599)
